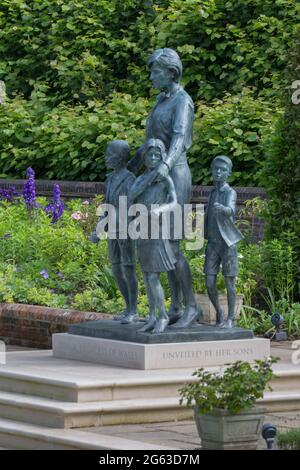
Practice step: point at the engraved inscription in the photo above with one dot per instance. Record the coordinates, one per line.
(208, 353)
(105, 352)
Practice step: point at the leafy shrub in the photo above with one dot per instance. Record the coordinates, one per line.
(48, 264)
(281, 173)
(269, 268)
(65, 142)
(232, 126)
(236, 389)
(259, 321)
(68, 142)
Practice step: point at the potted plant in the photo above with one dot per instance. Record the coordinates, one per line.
(224, 404)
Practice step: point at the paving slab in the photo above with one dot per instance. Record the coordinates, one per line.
(184, 435)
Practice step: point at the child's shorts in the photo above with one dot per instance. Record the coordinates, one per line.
(217, 254)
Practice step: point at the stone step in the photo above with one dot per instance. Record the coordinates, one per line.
(51, 413)
(286, 380)
(39, 374)
(160, 385)
(58, 414)
(16, 435)
(280, 401)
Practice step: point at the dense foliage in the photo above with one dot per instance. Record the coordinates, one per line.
(234, 390)
(282, 166)
(76, 77)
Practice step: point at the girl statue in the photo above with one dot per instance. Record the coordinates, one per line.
(155, 254)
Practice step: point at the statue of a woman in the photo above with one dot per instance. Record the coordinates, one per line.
(171, 121)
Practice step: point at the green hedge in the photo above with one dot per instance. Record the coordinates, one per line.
(76, 77)
(68, 142)
(282, 166)
(83, 49)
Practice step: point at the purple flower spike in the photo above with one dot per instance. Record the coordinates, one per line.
(7, 236)
(56, 192)
(44, 274)
(30, 172)
(29, 190)
(60, 275)
(56, 208)
(10, 194)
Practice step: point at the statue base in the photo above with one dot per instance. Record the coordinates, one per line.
(182, 349)
(109, 329)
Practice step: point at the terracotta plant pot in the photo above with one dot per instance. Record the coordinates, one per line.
(208, 308)
(220, 430)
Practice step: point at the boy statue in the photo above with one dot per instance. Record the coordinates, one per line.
(222, 236)
(121, 248)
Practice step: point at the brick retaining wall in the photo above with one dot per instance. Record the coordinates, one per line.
(32, 326)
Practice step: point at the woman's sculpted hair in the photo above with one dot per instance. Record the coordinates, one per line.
(169, 59)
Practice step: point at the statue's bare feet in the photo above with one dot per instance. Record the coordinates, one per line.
(120, 316)
(174, 314)
(190, 316)
(131, 317)
(220, 319)
(160, 325)
(226, 325)
(149, 325)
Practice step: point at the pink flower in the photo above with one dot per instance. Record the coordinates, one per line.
(77, 215)
(86, 203)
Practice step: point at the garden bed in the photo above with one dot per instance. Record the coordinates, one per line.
(48, 264)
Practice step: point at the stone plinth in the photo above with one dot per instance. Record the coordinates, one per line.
(147, 356)
(108, 329)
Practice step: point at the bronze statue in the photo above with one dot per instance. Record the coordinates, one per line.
(222, 236)
(171, 121)
(121, 248)
(155, 254)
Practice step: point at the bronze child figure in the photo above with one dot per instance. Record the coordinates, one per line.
(155, 254)
(121, 248)
(222, 236)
